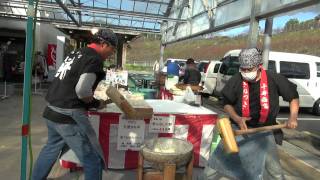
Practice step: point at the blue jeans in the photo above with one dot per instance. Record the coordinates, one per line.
(60, 135)
(256, 160)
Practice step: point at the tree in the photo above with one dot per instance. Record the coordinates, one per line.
(290, 24)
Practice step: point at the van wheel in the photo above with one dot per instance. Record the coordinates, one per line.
(316, 108)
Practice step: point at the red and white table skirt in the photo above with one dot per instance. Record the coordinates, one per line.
(196, 126)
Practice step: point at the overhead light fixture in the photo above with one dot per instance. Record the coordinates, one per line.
(94, 30)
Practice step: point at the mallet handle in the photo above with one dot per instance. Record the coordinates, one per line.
(259, 129)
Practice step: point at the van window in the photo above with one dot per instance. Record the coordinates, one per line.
(295, 70)
(230, 65)
(272, 66)
(318, 69)
(216, 68)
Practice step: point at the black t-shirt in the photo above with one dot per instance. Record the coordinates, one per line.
(278, 85)
(192, 76)
(62, 92)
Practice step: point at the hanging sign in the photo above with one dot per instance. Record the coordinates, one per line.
(130, 134)
(117, 77)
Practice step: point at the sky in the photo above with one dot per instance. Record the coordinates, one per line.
(278, 21)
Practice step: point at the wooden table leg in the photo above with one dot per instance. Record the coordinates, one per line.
(169, 172)
(140, 167)
(190, 168)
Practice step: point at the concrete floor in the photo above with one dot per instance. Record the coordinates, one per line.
(10, 145)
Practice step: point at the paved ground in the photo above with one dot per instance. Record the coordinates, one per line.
(10, 145)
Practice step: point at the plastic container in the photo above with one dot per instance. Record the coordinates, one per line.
(173, 69)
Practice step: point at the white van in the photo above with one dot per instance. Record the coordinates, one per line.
(210, 78)
(202, 66)
(301, 69)
(211, 85)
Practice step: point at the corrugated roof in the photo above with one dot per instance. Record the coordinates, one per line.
(130, 15)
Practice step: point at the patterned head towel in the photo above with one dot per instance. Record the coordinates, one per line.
(250, 58)
(106, 35)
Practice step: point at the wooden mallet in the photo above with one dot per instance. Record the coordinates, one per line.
(228, 134)
(121, 102)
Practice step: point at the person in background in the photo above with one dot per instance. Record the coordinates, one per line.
(3, 49)
(192, 75)
(40, 69)
(9, 66)
(251, 99)
(69, 97)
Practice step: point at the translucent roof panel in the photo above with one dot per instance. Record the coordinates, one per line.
(144, 15)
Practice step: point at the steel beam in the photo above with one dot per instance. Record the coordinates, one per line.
(150, 1)
(215, 29)
(287, 8)
(179, 16)
(99, 10)
(66, 10)
(80, 16)
(260, 15)
(170, 5)
(85, 26)
(79, 12)
(123, 18)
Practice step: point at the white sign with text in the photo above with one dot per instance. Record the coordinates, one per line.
(130, 134)
(117, 77)
(162, 124)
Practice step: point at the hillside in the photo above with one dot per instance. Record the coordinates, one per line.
(145, 49)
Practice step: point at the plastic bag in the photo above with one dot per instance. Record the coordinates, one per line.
(171, 82)
(189, 96)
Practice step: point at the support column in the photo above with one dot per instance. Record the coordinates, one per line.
(254, 24)
(78, 44)
(267, 41)
(124, 54)
(162, 46)
(119, 53)
(27, 91)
